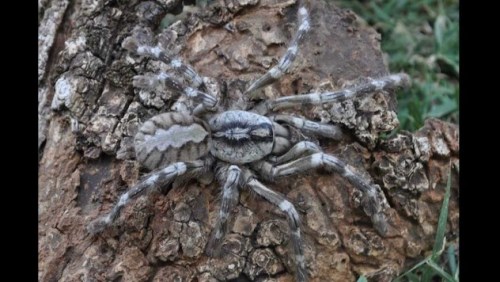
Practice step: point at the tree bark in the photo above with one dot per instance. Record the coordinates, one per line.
(89, 113)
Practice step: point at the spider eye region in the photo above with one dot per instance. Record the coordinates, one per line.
(241, 137)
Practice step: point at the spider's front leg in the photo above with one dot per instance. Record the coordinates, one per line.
(374, 202)
(291, 53)
(230, 197)
(158, 178)
(322, 129)
(389, 82)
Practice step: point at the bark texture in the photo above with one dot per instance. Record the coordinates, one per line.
(89, 113)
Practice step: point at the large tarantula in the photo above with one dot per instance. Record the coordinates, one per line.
(241, 145)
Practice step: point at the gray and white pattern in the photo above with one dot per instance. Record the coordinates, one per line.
(242, 146)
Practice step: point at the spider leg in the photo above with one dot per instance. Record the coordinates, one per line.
(158, 178)
(158, 53)
(280, 130)
(291, 53)
(298, 150)
(322, 129)
(152, 80)
(230, 197)
(287, 207)
(281, 145)
(389, 82)
(374, 203)
(281, 139)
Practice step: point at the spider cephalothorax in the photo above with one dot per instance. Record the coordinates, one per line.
(242, 145)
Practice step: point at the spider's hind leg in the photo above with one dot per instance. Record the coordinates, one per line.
(205, 101)
(151, 81)
(158, 178)
(157, 52)
(230, 196)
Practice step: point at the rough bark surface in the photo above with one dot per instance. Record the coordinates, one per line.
(89, 113)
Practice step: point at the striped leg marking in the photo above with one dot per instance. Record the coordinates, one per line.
(150, 82)
(158, 53)
(374, 202)
(161, 177)
(293, 221)
(291, 53)
(230, 197)
(321, 129)
(390, 82)
(298, 150)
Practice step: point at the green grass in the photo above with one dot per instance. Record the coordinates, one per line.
(439, 266)
(433, 267)
(420, 37)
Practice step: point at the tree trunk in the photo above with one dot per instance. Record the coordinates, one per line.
(89, 113)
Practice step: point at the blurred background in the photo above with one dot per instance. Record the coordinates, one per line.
(419, 37)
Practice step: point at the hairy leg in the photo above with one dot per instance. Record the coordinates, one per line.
(157, 178)
(158, 53)
(374, 202)
(153, 80)
(230, 197)
(390, 82)
(322, 129)
(287, 207)
(298, 150)
(281, 145)
(291, 53)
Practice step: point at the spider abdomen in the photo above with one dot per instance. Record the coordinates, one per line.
(240, 137)
(171, 137)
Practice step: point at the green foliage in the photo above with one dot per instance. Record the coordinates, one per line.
(362, 279)
(420, 38)
(432, 266)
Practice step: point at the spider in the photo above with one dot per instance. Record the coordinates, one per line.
(241, 146)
